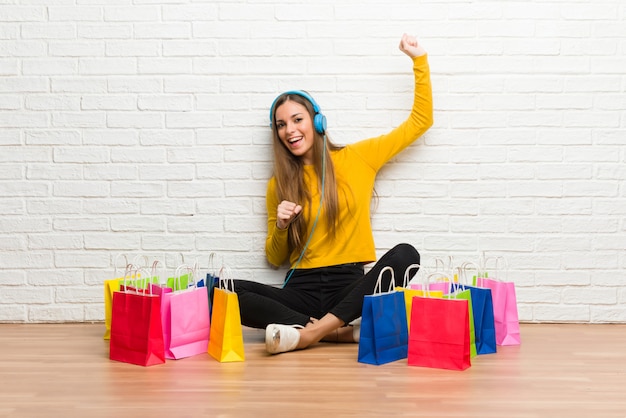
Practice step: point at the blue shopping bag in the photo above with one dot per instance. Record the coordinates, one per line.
(384, 333)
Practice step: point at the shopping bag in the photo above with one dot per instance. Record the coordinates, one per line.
(464, 293)
(410, 291)
(482, 310)
(136, 333)
(384, 332)
(185, 316)
(439, 336)
(505, 313)
(226, 334)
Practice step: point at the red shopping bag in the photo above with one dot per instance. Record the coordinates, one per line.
(506, 318)
(136, 332)
(439, 336)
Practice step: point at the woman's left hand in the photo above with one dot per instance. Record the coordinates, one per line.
(410, 46)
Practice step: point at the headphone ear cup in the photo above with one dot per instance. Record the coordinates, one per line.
(319, 122)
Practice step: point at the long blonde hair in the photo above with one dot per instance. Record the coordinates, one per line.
(289, 175)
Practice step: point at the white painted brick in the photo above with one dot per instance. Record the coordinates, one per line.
(54, 241)
(24, 189)
(134, 85)
(170, 242)
(12, 242)
(33, 295)
(163, 66)
(49, 206)
(191, 224)
(12, 206)
(52, 102)
(56, 277)
(610, 207)
(110, 172)
(590, 295)
(563, 101)
(538, 295)
(132, 49)
(104, 31)
(193, 120)
(56, 313)
(108, 66)
(225, 242)
(200, 12)
(172, 172)
(61, 85)
(563, 206)
(67, 259)
(111, 137)
(447, 243)
(171, 137)
(136, 119)
(78, 119)
(22, 154)
(590, 154)
(111, 206)
(506, 207)
(137, 223)
(81, 224)
(23, 120)
(590, 189)
(137, 189)
(117, 241)
(76, 49)
(13, 313)
(9, 66)
(589, 261)
(160, 30)
(12, 277)
(22, 14)
(561, 313)
(170, 102)
(131, 14)
(108, 102)
(607, 314)
(195, 189)
(80, 189)
(75, 14)
(224, 171)
(138, 155)
(167, 207)
(187, 48)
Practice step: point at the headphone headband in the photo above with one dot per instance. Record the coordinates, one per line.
(319, 120)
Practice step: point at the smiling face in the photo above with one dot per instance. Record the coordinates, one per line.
(295, 130)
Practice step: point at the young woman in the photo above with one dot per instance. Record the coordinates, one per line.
(318, 204)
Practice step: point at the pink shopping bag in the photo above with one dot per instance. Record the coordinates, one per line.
(506, 318)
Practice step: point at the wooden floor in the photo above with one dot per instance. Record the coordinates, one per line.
(63, 370)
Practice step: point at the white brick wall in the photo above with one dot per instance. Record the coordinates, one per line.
(140, 127)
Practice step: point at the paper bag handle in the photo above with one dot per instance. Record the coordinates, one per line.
(225, 278)
(407, 275)
(505, 268)
(378, 287)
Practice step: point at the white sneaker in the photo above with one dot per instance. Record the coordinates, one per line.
(281, 338)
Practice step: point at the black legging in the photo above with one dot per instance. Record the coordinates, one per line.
(312, 293)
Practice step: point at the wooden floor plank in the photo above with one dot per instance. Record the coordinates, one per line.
(560, 370)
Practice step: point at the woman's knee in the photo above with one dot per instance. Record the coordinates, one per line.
(406, 252)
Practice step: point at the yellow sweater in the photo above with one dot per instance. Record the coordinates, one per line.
(356, 166)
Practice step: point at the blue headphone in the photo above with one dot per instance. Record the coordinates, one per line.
(319, 120)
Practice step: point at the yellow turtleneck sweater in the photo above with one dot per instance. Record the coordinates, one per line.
(356, 166)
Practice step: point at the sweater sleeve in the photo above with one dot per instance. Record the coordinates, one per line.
(276, 243)
(377, 151)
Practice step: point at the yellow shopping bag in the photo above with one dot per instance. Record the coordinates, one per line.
(226, 334)
(409, 293)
